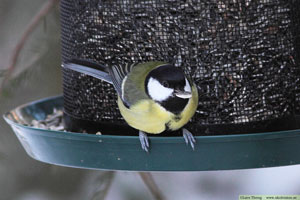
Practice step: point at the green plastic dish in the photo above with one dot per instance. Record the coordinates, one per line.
(111, 152)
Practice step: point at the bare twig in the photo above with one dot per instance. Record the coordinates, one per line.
(150, 183)
(46, 8)
(104, 183)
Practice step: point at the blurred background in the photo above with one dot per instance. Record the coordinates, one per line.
(37, 75)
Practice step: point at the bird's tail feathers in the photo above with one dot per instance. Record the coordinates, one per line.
(90, 68)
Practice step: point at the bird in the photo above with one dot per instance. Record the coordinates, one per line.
(153, 96)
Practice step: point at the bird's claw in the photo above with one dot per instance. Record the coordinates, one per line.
(144, 141)
(189, 138)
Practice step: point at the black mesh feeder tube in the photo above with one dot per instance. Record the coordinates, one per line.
(243, 55)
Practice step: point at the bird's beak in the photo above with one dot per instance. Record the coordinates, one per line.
(183, 94)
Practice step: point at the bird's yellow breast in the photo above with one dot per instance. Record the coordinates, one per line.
(148, 116)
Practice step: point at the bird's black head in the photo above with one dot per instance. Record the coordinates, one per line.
(169, 86)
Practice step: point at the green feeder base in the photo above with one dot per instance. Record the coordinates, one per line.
(113, 152)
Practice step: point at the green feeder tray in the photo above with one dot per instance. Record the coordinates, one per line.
(113, 152)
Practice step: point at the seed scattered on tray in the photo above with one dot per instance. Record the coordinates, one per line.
(52, 122)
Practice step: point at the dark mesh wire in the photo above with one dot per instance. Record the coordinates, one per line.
(242, 54)
(295, 19)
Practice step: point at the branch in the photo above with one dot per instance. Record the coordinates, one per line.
(150, 183)
(103, 184)
(31, 26)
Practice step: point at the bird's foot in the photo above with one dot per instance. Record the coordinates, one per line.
(189, 138)
(144, 141)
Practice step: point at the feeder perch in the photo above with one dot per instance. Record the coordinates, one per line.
(243, 56)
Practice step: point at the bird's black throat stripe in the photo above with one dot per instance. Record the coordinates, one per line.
(174, 105)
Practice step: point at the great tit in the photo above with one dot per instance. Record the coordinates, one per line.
(152, 96)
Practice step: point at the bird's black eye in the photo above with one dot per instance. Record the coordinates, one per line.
(165, 84)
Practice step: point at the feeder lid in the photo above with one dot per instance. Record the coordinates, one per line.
(166, 153)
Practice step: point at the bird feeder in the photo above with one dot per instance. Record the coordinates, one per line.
(243, 56)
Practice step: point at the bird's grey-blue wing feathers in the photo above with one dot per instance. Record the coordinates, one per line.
(118, 73)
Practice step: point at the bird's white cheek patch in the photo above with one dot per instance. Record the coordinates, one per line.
(187, 87)
(157, 91)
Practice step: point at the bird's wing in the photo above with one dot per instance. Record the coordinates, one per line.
(90, 68)
(118, 73)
